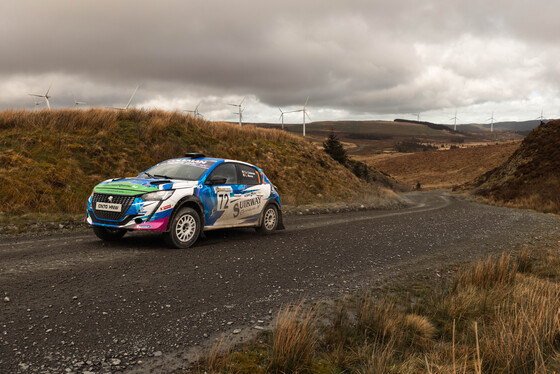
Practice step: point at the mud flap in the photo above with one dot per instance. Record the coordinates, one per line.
(280, 225)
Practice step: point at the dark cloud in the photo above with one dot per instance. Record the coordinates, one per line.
(356, 58)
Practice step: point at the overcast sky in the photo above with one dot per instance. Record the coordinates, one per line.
(355, 59)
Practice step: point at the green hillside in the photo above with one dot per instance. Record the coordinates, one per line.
(50, 160)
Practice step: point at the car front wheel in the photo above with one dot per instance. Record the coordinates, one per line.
(184, 229)
(108, 234)
(269, 220)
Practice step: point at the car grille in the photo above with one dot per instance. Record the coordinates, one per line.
(125, 201)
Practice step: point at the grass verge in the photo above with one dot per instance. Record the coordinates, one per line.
(500, 315)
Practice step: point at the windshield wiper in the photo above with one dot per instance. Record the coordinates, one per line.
(148, 174)
(162, 176)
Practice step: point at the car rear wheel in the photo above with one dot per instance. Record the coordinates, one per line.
(184, 230)
(108, 234)
(269, 220)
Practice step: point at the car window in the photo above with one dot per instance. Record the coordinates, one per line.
(227, 171)
(248, 175)
(180, 168)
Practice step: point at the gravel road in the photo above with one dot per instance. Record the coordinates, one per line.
(71, 303)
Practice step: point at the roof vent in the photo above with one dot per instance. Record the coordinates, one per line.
(194, 155)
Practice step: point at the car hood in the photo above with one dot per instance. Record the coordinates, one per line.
(138, 186)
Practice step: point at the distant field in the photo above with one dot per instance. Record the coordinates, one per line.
(382, 128)
(442, 169)
(365, 138)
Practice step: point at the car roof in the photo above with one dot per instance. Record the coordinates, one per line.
(217, 160)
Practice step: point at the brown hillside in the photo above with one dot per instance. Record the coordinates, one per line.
(441, 169)
(530, 178)
(50, 160)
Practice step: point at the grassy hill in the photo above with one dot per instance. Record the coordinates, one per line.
(364, 138)
(530, 178)
(373, 130)
(441, 169)
(50, 160)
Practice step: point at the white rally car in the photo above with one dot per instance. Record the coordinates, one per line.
(182, 197)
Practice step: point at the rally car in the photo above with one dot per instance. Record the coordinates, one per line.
(184, 196)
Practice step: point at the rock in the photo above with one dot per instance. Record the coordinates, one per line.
(23, 366)
(115, 361)
(157, 353)
(7, 299)
(236, 331)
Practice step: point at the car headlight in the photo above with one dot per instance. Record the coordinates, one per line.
(157, 196)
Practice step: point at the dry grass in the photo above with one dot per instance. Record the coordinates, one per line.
(529, 178)
(50, 160)
(294, 339)
(487, 274)
(442, 169)
(502, 315)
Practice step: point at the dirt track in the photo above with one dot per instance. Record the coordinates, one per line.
(71, 302)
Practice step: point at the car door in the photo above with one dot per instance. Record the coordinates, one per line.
(250, 196)
(218, 196)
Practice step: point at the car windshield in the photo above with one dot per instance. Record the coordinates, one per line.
(179, 169)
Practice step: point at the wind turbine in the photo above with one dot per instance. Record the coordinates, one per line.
(46, 96)
(37, 103)
(282, 116)
(304, 111)
(195, 112)
(417, 116)
(455, 123)
(129, 101)
(541, 117)
(492, 122)
(78, 103)
(240, 111)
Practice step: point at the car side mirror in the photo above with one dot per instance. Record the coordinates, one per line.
(216, 180)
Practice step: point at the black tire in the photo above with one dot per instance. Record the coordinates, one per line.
(269, 220)
(184, 230)
(108, 234)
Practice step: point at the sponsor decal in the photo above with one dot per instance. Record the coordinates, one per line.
(200, 163)
(144, 226)
(227, 189)
(246, 205)
(248, 174)
(165, 207)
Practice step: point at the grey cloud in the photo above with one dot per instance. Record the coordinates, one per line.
(355, 56)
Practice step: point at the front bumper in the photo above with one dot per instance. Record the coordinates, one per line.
(136, 214)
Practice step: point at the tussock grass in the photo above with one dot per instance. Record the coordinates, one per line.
(294, 339)
(50, 160)
(500, 315)
(487, 274)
